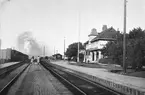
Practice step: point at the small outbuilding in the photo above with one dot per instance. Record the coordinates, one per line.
(58, 56)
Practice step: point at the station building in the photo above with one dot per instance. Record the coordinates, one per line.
(96, 42)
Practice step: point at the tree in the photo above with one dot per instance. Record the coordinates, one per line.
(135, 45)
(136, 48)
(114, 49)
(72, 50)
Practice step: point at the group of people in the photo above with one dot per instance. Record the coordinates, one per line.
(35, 60)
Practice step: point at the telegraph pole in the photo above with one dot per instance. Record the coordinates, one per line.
(124, 39)
(54, 50)
(64, 48)
(44, 51)
(78, 37)
(0, 52)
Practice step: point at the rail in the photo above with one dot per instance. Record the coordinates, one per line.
(84, 86)
(5, 89)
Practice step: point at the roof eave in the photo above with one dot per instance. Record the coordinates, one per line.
(107, 39)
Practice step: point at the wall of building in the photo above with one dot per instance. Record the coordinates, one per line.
(96, 45)
(93, 56)
(93, 53)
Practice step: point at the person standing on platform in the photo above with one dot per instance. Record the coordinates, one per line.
(32, 59)
(38, 60)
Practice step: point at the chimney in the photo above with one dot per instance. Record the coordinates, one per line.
(94, 30)
(104, 27)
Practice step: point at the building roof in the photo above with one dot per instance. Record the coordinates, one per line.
(108, 34)
(86, 42)
(57, 54)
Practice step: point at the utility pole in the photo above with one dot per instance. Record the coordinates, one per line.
(78, 37)
(124, 39)
(54, 50)
(64, 48)
(0, 52)
(44, 51)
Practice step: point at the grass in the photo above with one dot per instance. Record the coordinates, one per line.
(106, 61)
(138, 74)
(113, 69)
(90, 65)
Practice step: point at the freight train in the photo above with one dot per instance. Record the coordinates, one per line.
(18, 56)
(9, 55)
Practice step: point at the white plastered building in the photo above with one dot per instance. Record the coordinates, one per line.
(96, 42)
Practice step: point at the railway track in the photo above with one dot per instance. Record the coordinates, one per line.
(78, 85)
(14, 77)
(8, 69)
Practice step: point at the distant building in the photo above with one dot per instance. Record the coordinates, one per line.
(96, 42)
(57, 56)
(5, 55)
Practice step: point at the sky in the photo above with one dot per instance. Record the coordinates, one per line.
(49, 21)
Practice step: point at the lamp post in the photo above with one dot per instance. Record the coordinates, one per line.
(124, 39)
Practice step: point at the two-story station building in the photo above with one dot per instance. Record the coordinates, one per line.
(96, 42)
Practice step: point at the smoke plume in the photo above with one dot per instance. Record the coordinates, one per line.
(27, 44)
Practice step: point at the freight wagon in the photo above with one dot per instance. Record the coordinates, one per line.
(9, 55)
(18, 56)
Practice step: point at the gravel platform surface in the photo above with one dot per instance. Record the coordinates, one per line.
(36, 80)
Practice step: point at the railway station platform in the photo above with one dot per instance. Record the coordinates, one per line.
(128, 85)
(7, 64)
